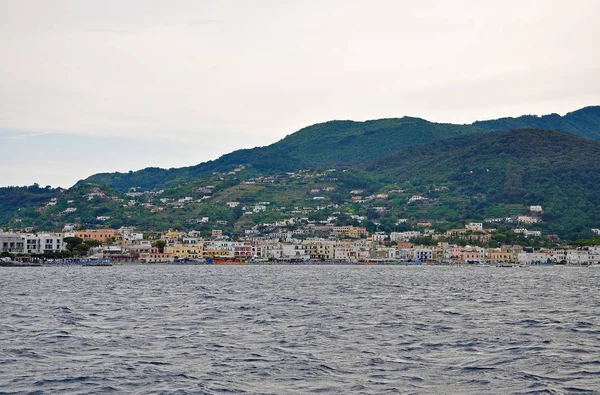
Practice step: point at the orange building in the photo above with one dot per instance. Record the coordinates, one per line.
(95, 234)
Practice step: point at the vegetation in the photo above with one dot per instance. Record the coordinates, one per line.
(583, 122)
(346, 142)
(464, 172)
(78, 247)
(512, 169)
(22, 202)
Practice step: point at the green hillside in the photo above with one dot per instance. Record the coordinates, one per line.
(352, 142)
(463, 179)
(343, 142)
(22, 202)
(584, 122)
(528, 167)
(322, 144)
(464, 175)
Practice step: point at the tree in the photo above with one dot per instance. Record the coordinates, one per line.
(82, 249)
(513, 183)
(92, 243)
(115, 224)
(72, 242)
(160, 244)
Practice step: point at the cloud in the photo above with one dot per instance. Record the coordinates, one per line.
(204, 22)
(108, 31)
(215, 75)
(19, 134)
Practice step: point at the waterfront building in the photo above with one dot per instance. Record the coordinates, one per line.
(185, 250)
(43, 243)
(96, 234)
(153, 256)
(423, 254)
(25, 243)
(497, 255)
(532, 257)
(139, 247)
(12, 243)
(319, 249)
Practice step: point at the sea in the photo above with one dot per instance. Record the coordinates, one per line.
(299, 330)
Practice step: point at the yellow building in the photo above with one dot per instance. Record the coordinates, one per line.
(185, 251)
(218, 253)
(496, 256)
(173, 234)
(350, 231)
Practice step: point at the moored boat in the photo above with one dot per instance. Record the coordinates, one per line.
(229, 262)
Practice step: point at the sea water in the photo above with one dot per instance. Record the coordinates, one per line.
(299, 329)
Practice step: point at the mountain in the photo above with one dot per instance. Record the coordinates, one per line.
(461, 179)
(24, 200)
(335, 142)
(584, 122)
(321, 144)
(351, 173)
(352, 142)
(527, 167)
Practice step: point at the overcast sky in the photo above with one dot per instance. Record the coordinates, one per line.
(118, 85)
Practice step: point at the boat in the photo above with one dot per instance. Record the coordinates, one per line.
(229, 262)
(504, 264)
(11, 263)
(80, 262)
(367, 263)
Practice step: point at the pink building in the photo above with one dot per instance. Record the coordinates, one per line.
(242, 252)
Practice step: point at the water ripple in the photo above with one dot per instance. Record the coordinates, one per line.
(297, 330)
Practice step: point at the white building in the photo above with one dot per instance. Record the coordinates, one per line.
(594, 254)
(423, 254)
(69, 227)
(350, 253)
(526, 219)
(294, 252)
(12, 243)
(477, 226)
(404, 236)
(532, 257)
(405, 254)
(379, 236)
(577, 257)
(43, 243)
(415, 198)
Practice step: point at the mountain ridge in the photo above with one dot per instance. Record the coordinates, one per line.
(524, 166)
(462, 172)
(346, 141)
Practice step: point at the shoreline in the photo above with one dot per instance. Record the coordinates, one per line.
(440, 264)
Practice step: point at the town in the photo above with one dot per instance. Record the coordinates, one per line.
(307, 216)
(337, 245)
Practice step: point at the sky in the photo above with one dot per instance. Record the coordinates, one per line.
(119, 85)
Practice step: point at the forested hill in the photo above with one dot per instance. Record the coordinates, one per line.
(529, 167)
(346, 142)
(321, 144)
(13, 199)
(352, 142)
(584, 122)
(467, 178)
